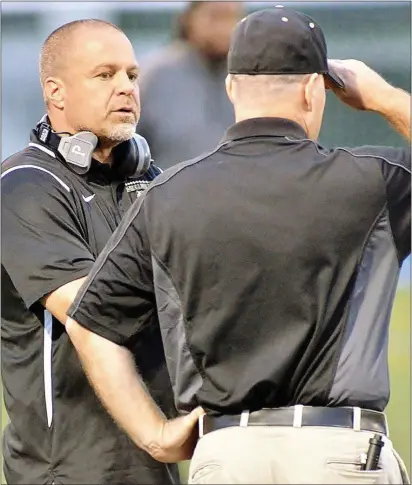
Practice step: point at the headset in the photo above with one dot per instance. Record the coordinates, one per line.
(132, 158)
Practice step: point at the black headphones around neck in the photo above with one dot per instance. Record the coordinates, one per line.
(132, 158)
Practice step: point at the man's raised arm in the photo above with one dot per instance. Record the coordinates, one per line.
(367, 90)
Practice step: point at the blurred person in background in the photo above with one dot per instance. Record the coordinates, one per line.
(62, 198)
(185, 107)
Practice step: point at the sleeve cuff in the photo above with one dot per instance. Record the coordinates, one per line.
(88, 322)
(54, 284)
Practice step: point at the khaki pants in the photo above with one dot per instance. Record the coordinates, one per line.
(284, 455)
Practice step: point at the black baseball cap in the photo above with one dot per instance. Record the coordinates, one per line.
(279, 40)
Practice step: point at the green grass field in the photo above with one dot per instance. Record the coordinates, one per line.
(399, 409)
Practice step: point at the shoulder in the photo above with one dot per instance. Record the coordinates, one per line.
(373, 153)
(385, 156)
(173, 173)
(35, 167)
(36, 194)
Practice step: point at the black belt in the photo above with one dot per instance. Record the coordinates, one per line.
(298, 416)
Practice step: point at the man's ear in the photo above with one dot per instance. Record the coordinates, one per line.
(54, 92)
(309, 90)
(229, 87)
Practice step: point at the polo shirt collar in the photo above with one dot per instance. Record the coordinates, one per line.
(264, 127)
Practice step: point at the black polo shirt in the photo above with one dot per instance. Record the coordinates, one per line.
(54, 224)
(272, 264)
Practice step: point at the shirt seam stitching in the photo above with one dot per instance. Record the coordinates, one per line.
(40, 169)
(358, 263)
(356, 155)
(163, 266)
(58, 282)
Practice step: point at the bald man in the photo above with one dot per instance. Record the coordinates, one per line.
(62, 198)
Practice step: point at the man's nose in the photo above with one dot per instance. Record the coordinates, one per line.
(125, 85)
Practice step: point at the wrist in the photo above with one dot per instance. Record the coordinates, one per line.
(386, 101)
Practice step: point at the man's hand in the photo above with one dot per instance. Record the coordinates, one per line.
(112, 372)
(364, 88)
(177, 438)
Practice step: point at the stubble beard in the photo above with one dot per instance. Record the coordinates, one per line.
(120, 132)
(116, 133)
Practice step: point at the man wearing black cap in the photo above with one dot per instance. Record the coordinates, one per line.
(272, 269)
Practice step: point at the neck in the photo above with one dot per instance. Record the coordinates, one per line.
(249, 113)
(104, 154)
(59, 126)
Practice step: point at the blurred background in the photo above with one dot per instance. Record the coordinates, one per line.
(181, 50)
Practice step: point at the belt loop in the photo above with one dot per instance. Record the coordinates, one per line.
(201, 426)
(244, 418)
(356, 418)
(297, 415)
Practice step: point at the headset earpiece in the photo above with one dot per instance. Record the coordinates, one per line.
(145, 157)
(78, 150)
(132, 158)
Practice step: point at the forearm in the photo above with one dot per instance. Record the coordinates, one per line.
(396, 108)
(112, 372)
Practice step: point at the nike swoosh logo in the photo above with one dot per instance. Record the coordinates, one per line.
(89, 198)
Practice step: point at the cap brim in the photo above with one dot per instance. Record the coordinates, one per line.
(335, 79)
